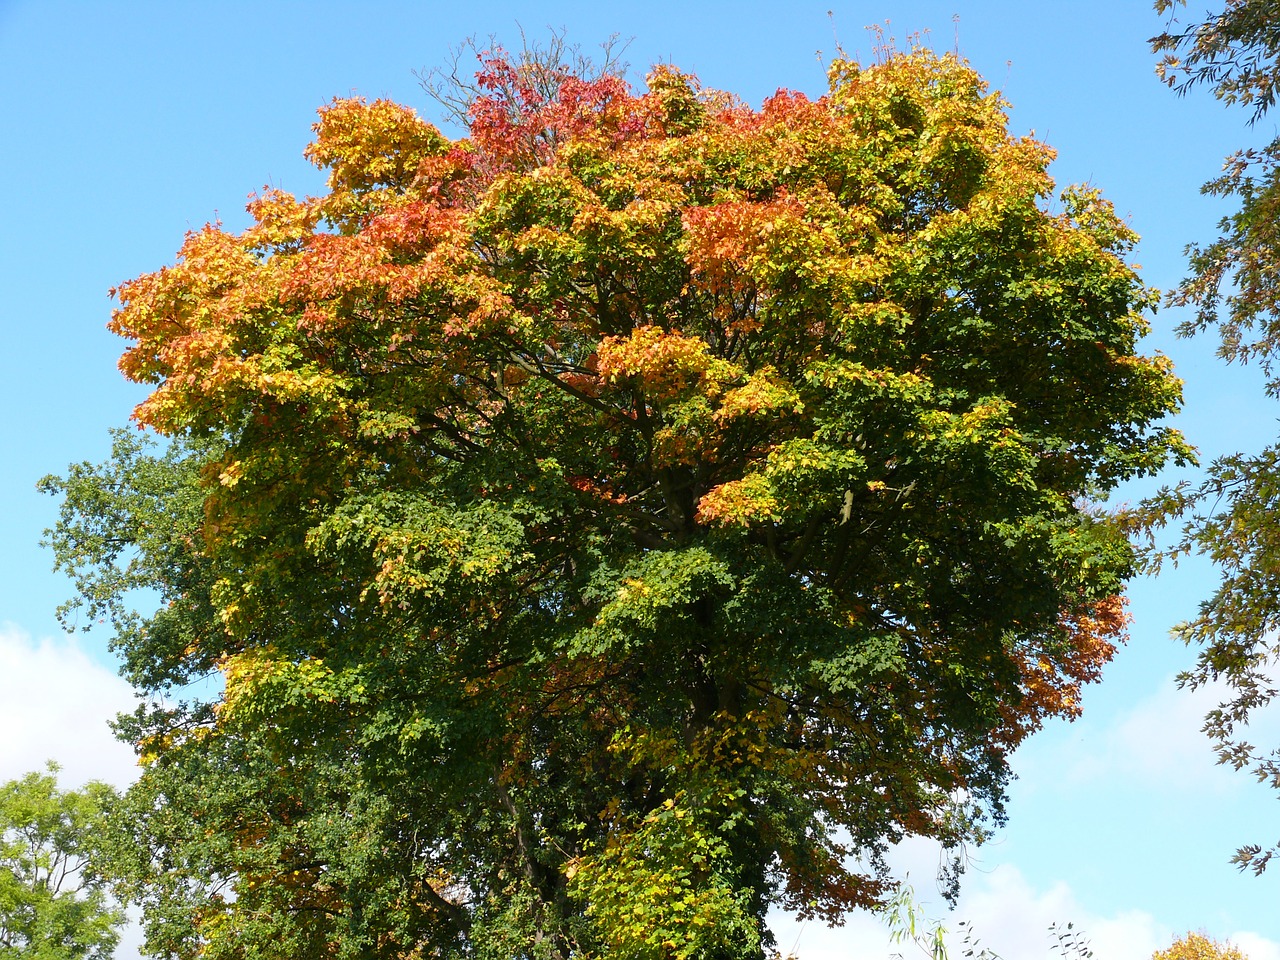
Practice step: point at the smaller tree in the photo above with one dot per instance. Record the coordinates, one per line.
(1196, 946)
(53, 906)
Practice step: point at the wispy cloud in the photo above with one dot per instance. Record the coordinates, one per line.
(1156, 741)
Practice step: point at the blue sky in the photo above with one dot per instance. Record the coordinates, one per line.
(125, 124)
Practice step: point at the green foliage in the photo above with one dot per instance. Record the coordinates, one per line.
(1234, 286)
(667, 888)
(54, 904)
(133, 524)
(629, 518)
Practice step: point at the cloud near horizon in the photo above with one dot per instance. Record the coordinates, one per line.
(55, 704)
(1008, 916)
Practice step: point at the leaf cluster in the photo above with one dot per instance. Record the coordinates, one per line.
(1236, 52)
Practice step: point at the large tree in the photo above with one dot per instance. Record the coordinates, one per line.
(54, 902)
(1234, 287)
(633, 515)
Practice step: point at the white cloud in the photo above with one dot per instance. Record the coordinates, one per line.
(1008, 916)
(1255, 947)
(1016, 920)
(55, 703)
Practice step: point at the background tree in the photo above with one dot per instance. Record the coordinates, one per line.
(631, 516)
(1196, 946)
(53, 903)
(1234, 286)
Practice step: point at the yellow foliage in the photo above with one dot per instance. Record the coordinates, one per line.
(1197, 946)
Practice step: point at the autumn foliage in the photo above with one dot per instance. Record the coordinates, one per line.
(626, 518)
(1197, 946)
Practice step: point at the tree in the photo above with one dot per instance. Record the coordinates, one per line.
(1196, 946)
(1234, 286)
(629, 517)
(53, 904)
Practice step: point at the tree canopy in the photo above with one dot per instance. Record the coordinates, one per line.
(633, 515)
(1234, 288)
(1197, 946)
(53, 904)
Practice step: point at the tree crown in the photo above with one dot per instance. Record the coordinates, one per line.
(642, 500)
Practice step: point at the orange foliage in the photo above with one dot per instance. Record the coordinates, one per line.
(1053, 680)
